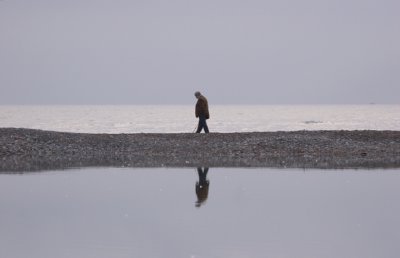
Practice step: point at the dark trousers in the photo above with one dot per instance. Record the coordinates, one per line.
(202, 175)
(202, 124)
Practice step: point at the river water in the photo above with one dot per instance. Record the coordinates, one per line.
(219, 212)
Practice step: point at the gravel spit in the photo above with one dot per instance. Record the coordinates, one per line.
(33, 150)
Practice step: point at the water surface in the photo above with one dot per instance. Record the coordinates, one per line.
(178, 119)
(114, 212)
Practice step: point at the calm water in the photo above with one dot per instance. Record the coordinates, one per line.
(229, 213)
(170, 119)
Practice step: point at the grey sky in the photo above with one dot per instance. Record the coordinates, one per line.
(236, 52)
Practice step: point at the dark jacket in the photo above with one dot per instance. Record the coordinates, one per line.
(202, 192)
(202, 107)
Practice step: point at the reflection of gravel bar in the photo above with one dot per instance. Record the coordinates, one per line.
(27, 150)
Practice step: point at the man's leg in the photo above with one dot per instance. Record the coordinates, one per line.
(200, 126)
(205, 126)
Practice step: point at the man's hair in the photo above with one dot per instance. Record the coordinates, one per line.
(197, 93)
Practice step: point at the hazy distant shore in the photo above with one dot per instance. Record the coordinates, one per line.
(32, 150)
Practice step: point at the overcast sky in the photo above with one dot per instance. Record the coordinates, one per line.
(235, 52)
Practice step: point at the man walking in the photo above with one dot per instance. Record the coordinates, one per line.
(202, 112)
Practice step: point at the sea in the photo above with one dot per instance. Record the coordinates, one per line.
(181, 119)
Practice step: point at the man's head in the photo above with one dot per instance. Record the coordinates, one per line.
(197, 94)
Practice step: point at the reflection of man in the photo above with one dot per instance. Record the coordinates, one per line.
(202, 112)
(202, 186)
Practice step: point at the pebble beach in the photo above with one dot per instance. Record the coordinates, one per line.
(34, 150)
